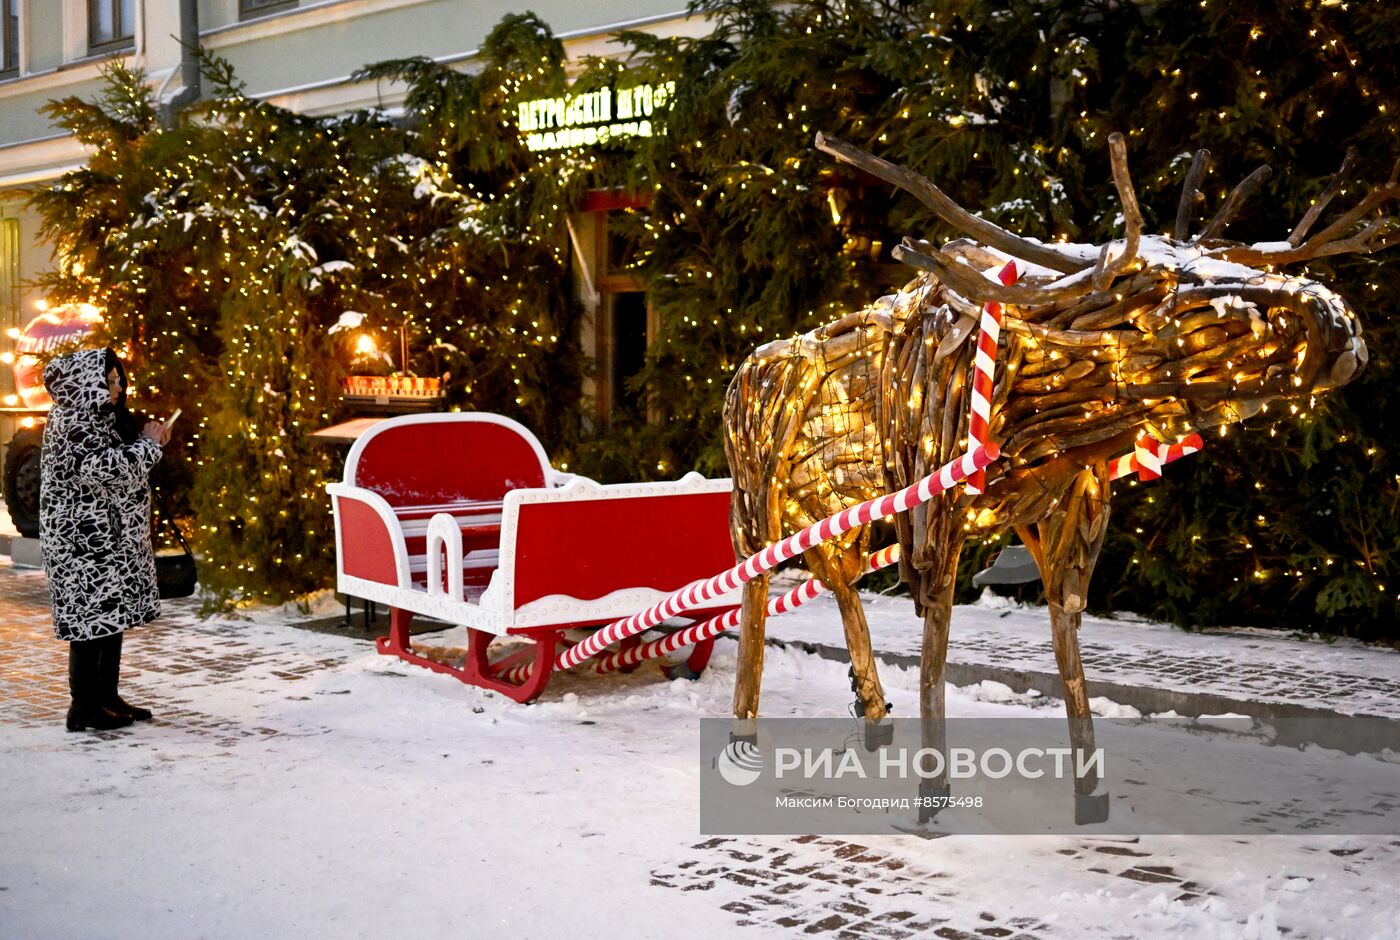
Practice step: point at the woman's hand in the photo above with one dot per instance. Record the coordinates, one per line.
(157, 432)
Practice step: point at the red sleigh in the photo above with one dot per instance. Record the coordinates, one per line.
(459, 517)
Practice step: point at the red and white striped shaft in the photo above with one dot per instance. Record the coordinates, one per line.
(696, 633)
(1149, 464)
(984, 365)
(1163, 453)
(516, 675)
(698, 592)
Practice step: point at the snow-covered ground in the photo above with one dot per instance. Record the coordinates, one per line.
(296, 784)
(1319, 672)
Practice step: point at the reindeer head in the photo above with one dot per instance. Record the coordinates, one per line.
(1167, 334)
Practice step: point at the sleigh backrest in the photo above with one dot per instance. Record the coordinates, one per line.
(446, 458)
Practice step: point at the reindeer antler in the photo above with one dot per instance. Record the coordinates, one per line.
(977, 288)
(1330, 241)
(1234, 203)
(1191, 194)
(972, 285)
(1334, 186)
(1104, 270)
(988, 233)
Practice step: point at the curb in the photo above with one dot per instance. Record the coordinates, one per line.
(1296, 725)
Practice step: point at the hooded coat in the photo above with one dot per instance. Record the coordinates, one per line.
(94, 506)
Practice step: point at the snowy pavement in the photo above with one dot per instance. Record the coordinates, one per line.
(298, 784)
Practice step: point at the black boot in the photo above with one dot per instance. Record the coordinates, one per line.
(85, 686)
(110, 672)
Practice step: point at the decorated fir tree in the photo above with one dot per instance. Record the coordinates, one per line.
(228, 248)
(1008, 106)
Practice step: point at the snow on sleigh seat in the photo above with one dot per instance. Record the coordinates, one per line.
(460, 517)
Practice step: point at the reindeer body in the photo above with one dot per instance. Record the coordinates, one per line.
(1169, 338)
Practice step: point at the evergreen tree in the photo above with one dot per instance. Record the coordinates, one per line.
(493, 283)
(229, 249)
(1290, 521)
(155, 313)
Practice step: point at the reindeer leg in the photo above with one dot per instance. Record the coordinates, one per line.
(838, 566)
(935, 590)
(870, 695)
(752, 618)
(1066, 547)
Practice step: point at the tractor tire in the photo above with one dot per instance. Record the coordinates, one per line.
(22, 480)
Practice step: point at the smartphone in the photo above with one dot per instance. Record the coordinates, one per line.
(171, 420)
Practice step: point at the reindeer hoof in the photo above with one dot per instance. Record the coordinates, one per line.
(860, 710)
(932, 798)
(680, 671)
(743, 729)
(1090, 808)
(879, 734)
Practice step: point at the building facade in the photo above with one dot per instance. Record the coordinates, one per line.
(297, 54)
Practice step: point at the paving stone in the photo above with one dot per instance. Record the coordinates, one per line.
(198, 654)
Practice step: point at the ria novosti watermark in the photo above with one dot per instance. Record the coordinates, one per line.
(930, 763)
(1022, 776)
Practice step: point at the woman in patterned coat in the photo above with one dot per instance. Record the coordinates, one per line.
(95, 519)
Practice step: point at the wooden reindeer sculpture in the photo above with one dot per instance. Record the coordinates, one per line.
(1146, 334)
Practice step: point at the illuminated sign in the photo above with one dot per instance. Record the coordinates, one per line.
(592, 117)
(54, 329)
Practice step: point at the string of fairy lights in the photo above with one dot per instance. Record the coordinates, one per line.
(462, 248)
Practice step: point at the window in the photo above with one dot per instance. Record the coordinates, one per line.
(111, 23)
(627, 318)
(251, 8)
(9, 36)
(619, 323)
(626, 352)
